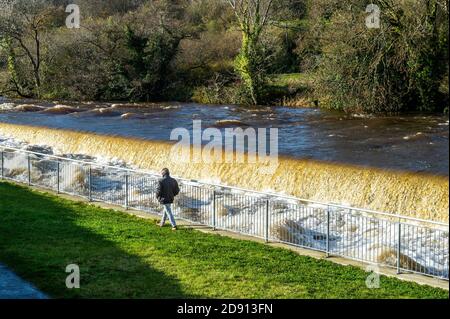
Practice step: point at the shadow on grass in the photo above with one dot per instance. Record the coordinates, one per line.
(40, 236)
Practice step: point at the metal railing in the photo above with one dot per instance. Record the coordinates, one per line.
(406, 244)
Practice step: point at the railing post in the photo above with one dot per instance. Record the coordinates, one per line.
(29, 170)
(126, 191)
(328, 231)
(58, 182)
(399, 247)
(266, 235)
(90, 183)
(3, 164)
(214, 210)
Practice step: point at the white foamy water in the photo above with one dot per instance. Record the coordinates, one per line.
(6, 106)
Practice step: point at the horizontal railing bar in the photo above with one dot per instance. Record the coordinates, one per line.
(281, 196)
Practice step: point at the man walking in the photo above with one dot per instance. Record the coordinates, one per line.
(166, 192)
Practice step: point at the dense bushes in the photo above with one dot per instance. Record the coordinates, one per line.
(211, 52)
(398, 67)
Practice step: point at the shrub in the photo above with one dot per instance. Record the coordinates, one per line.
(395, 68)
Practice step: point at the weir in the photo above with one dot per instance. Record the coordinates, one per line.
(416, 195)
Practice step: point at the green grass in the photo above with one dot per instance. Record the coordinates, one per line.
(122, 256)
(293, 90)
(294, 80)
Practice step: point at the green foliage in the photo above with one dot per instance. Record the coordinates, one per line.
(141, 74)
(210, 52)
(121, 256)
(251, 63)
(398, 67)
(221, 94)
(250, 66)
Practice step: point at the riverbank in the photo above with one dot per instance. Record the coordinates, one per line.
(121, 256)
(290, 90)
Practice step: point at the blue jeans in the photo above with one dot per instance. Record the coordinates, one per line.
(168, 213)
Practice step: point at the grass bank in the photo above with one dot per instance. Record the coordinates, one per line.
(292, 90)
(122, 256)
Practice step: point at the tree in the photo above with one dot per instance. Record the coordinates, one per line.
(136, 50)
(253, 16)
(21, 25)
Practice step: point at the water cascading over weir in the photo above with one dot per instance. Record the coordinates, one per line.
(406, 193)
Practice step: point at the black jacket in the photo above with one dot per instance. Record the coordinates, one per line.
(167, 190)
